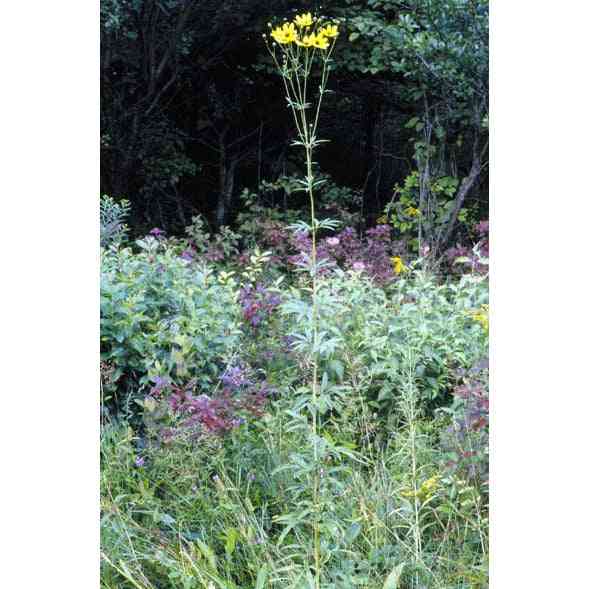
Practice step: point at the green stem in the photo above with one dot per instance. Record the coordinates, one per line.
(296, 92)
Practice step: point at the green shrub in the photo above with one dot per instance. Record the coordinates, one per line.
(113, 230)
(371, 328)
(161, 316)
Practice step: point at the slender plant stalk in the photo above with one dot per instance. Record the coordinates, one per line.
(296, 71)
(410, 416)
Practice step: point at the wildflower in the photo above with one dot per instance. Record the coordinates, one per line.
(160, 384)
(187, 255)
(383, 219)
(429, 487)
(139, 462)
(235, 377)
(425, 491)
(329, 31)
(304, 20)
(332, 241)
(398, 265)
(412, 212)
(285, 34)
(321, 41)
(306, 41)
(157, 232)
(482, 228)
(482, 316)
(358, 266)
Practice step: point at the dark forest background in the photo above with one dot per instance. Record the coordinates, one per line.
(192, 112)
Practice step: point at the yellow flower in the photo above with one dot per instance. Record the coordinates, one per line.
(329, 31)
(306, 41)
(482, 316)
(382, 220)
(320, 41)
(277, 35)
(285, 34)
(425, 491)
(398, 265)
(313, 40)
(412, 212)
(304, 20)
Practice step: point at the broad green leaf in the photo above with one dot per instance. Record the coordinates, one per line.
(352, 532)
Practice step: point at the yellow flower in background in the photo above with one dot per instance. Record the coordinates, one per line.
(285, 34)
(304, 20)
(482, 316)
(382, 220)
(412, 212)
(398, 265)
(329, 31)
(425, 491)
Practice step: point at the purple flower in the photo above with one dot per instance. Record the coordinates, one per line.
(257, 303)
(157, 232)
(235, 377)
(160, 384)
(370, 255)
(139, 462)
(187, 255)
(482, 228)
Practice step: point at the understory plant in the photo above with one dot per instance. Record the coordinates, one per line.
(161, 316)
(113, 216)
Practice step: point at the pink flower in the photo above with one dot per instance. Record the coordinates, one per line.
(332, 241)
(358, 266)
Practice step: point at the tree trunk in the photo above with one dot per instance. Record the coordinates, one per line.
(226, 181)
(467, 183)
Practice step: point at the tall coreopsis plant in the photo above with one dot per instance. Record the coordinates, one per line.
(300, 49)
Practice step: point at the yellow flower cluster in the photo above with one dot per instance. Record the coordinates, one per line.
(412, 212)
(285, 34)
(427, 489)
(482, 316)
(297, 32)
(398, 265)
(382, 220)
(304, 20)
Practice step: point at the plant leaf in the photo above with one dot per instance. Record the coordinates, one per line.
(261, 578)
(392, 581)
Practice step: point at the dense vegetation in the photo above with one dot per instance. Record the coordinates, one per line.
(193, 112)
(294, 332)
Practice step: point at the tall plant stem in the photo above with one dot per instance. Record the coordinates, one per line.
(295, 71)
(314, 360)
(410, 416)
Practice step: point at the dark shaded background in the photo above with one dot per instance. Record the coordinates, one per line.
(192, 112)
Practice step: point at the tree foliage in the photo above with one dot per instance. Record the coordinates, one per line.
(191, 113)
